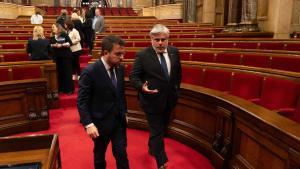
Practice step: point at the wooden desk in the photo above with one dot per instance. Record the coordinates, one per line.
(43, 149)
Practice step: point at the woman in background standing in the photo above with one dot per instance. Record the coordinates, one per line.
(61, 43)
(75, 48)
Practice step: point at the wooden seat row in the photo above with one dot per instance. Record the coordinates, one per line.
(231, 132)
(289, 45)
(23, 105)
(33, 69)
(276, 90)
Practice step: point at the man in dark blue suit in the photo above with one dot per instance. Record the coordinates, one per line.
(102, 105)
(156, 74)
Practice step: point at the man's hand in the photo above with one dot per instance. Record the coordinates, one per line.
(92, 131)
(146, 90)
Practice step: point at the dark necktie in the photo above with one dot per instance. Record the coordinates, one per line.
(113, 77)
(164, 66)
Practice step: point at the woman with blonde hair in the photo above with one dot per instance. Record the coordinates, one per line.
(38, 47)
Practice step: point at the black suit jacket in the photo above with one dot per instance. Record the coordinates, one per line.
(39, 49)
(98, 101)
(147, 67)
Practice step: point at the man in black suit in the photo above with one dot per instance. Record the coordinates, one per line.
(102, 105)
(156, 74)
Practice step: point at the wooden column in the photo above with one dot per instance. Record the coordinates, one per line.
(189, 11)
(209, 11)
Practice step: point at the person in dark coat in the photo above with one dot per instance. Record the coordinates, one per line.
(102, 105)
(38, 48)
(60, 44)
(156, 74)
(88, 31)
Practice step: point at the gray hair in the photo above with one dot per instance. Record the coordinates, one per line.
(159, 28)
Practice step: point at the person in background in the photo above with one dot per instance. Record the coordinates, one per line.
(60, 44)
(38, 48)
(75, 48)
(82, 14)
(98, 22)
(37, 18)
(102, 105)
(62, 17)
(77, 25)
(156, 74)
(88, 32)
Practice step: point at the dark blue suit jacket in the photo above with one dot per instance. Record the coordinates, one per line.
(146, 67)
(98, 101)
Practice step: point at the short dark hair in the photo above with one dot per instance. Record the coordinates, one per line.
(69, 24)
(109, 41)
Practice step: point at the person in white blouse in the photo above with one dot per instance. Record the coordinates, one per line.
(75, 48)
(37, 18)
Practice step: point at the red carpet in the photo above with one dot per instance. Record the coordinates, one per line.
(76, 147)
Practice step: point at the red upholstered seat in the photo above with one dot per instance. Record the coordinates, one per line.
(142, 44)
(107, 12)
(28, 72)
(293, 46)
(123, 11)
(115, 11)
(4, 31)
(202, 44)
(129, 44)
(246, 45)
(246, 85)
(7, 37)
(130, 55)
(187, 36)
(137, 36)
(286, 63)
(13, 57)
(23, 37)
(185, 56)
(203, 35)
(13, 46)
(223, 45)
(203, 56)
(256, 60)
(229, 58)
(182, 44)
(4, 72)
(279, 94)
(191, 75)
(272, 45)
(216, 79)
(131, 12)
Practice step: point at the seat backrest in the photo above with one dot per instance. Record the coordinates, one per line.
(246, 85)
(256, 60)
(203, 56)
(246, 45)
(4, 72)
(272, 45)
(279, 93)
(289, 63)
(229, 58)
(26, 72)
(216, 79)
(191, 75)
(14, 57)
